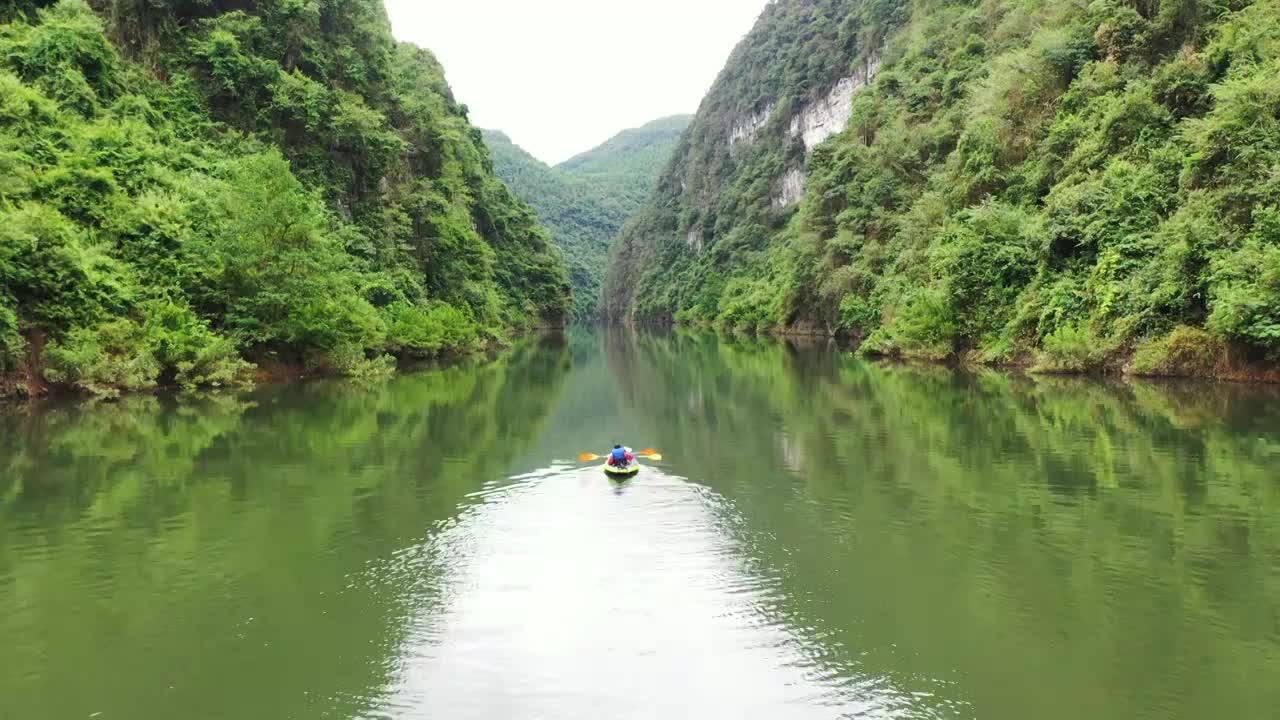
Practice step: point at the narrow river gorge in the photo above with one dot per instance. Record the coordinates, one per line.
(824, 537)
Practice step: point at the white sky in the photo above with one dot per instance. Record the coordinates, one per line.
(562, 76)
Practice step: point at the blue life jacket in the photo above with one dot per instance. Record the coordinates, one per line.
(619, 455)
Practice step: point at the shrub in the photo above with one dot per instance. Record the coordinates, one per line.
(984, 259)
(352, 361)
(1244, 40)
(183, 343)
(1018, 96)
(857, 314)
(103, 360)
(424, 330)
(1245, 288)
(1236, 146)
(1182, 85)
(123, 354)
(1244, 285)
(11, 342)
(53, 277)
(320, 320)
(265, 266)
(1121, 30)
(1167, 284)
(67, 55)
(750, 304)
(924, 327)
(1186, 351)
(24, 111)
(1070, 350)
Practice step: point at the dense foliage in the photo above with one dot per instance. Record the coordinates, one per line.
(585, 200)
(1073, 182)
(187, 185)
(625, 167)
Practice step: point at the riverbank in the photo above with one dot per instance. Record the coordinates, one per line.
(28, 380)
(1185, 353)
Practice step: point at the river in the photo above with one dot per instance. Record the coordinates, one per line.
(824, 538)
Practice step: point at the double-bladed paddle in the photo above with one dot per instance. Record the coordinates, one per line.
(649, 453)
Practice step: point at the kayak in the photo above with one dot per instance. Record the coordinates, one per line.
(626, 472)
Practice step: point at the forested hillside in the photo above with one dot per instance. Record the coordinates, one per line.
(189, 186)
(626, 166)
(1079, 184)
(585, 200)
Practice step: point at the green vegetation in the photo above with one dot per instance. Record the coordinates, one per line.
(1186, 351)
(586, 199)
(625, 168)
(190, 186)
(1060, 182)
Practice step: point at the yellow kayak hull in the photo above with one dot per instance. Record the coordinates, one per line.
(628, 471)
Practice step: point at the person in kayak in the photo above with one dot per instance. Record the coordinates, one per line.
(620, 457)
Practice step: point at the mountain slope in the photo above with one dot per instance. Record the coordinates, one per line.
(187, 185)
(585, 200)
(627, 165)
(1075, 182)
(716, 207)
(581, 223)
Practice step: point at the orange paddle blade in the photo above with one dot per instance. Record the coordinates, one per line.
(587, 457)
(648, 451)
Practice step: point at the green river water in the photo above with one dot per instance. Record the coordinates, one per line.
(825, 538)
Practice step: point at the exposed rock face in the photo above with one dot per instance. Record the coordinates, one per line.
(818, 121)
(744, 131)
(790, 188)
(823, 118)
(694, 239)
(740, 169)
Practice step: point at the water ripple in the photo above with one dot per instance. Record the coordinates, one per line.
(560, 586)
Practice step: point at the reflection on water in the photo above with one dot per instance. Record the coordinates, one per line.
(175, 558)
(566, 600)
(825, 538)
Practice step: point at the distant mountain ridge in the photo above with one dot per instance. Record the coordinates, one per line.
(586, 199)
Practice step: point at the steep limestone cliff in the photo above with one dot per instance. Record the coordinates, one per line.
(1082, 185)
(740, 168)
